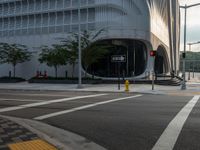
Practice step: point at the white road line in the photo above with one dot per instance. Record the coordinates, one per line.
(169, 137)
(47, 102)
(82, 107)
(34, 94)
(20, 100)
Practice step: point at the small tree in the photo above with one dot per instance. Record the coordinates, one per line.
(71, 45)
(91, 52)
(54, 57)
(14, 54)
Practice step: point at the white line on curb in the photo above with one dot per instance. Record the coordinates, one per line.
(82, 107)
(169, 137)
(47, 102)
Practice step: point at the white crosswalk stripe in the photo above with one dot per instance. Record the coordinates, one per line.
(47, 102)
(83, 107)
(169, 137)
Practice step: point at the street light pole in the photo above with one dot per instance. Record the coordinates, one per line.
(79, 47)
(183, 85)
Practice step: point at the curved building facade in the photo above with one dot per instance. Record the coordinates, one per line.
(134, 27)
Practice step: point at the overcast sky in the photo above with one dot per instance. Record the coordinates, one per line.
(193, 24)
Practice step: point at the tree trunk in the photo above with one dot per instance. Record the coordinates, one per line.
(14, 69)
(73, 66)
(56, 71)
(86, 69)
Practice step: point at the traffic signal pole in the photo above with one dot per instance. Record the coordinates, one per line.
(153, 55)
(153, 74)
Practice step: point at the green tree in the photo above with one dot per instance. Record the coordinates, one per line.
(14, 54)
(54, 57)
(71, 45)
(91, 51)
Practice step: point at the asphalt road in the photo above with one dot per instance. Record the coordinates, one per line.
(116, 121)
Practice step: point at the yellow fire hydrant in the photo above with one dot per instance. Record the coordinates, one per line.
(126, 86)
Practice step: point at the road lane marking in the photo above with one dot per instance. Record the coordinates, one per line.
(169, 137)
(20, 100)
(35, 94)
(82, 107)
(48, 102)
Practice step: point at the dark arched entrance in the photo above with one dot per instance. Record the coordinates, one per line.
(161, 61)
(135, 52)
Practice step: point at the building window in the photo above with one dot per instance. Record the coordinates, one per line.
(18, 7)
(74, 16)
(52, 4)
(52, 19)
(67, 17)
(91, 15)
(31, 21)
(31, 5)
(45, 4)
(83, 2)
(24, 21)
(75, 3)
(59, 4)
(1, 10)
(5, 8)
(59, 18)
(5, 26)
(84, 15)
(45, 19)
(38, 5)
(12, 8)
(67, 3)
(12, 23)
(24, 6)
(38, 22)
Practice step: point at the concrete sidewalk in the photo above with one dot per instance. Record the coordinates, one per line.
(193, 88)
(25, 134)
(14, 136)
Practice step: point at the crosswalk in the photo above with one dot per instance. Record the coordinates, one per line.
(47, 102)
(38, 108)
(83, 107)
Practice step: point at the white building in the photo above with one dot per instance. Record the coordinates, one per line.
(134, 26)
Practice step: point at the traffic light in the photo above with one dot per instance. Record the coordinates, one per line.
(152, 53)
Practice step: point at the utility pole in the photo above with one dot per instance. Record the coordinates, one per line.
(183, 85)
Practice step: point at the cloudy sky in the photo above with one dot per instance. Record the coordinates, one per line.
(193, 24)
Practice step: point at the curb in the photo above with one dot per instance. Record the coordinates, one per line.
(63, 140)
(92, 91)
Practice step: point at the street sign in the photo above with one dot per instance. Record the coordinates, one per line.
(118, 58)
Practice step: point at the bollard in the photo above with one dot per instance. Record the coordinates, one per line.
(126, 86)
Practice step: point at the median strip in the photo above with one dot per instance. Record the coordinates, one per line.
(83, 107)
